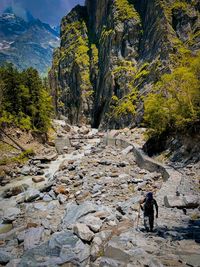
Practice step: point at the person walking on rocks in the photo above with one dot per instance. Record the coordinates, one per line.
(148, 208)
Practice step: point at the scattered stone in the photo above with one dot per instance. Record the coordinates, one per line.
(83, 231)
(11, 214)
(62, 198)
(127, 150)
(32, 237)
(61, 189)
(63, 165)
(191, 201)
(38, 179)
(31, 194)
(26, 170)
(5, 257)
(47, 198)
(94, 223)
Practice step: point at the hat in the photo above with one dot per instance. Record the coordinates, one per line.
(149, 195)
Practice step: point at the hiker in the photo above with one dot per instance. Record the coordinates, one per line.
(148, 208)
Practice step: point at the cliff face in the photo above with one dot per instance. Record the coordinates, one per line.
(111, 53)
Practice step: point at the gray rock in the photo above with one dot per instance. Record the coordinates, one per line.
(13, 263)
(40, 206)
(26, 170)
(31, 194)
(97, 188)
(191, 201)
(32, 237)
(191, 259)
(47, 158)
(47, 198)
(114, 251)
(62, 198)
(75, 212)
(10, 214)
(103, 261)
(96, 247)
(46, 224)
(21, 236)
(127, 150)
(94, 223)
(83, 231)
(70, 247)
(4, 257)
(174, 201)
(180, 202)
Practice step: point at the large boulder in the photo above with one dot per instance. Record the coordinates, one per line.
(74, 212)
(181, 202)
(191, 201)
(63, 248)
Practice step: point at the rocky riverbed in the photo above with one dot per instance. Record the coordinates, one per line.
(78, 206)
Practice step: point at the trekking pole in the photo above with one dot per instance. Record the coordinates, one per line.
(138, 218)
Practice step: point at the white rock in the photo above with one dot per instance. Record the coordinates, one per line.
(94, 223)
(83, 231)
(127, 150)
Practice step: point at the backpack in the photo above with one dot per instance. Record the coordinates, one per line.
(148, 205)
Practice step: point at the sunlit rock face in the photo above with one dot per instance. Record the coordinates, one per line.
(113, 51)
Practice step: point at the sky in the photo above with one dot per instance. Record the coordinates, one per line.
(49, 11)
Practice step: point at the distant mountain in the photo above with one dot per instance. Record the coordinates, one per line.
(26, 41)
(57, 29)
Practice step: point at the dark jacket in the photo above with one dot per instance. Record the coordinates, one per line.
(148, 207)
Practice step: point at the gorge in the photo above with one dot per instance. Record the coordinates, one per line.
(111, 54)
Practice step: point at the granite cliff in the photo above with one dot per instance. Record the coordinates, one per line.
(111, 53)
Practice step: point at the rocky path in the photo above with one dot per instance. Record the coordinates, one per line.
(82, 210)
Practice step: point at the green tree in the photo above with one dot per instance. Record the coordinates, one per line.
(25, 100)
(175, 100)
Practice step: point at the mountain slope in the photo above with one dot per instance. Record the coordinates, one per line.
(26, 43)
(113, 51)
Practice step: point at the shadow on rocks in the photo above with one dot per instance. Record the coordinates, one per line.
(188, 232)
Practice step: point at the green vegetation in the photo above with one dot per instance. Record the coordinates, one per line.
(175, 101)
(105, 34)
(95, 54)
(77, 51)
(125, 105)
(142, 72)
(21, 158)
(126, 10)
(25, 101)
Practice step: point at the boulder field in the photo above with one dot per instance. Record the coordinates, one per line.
(81, 206)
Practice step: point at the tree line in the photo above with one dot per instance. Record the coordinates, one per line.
(24, 99)
(174, 103)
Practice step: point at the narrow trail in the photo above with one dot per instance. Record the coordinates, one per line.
(85, 212)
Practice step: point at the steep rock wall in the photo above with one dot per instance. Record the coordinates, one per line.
(111, 53)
